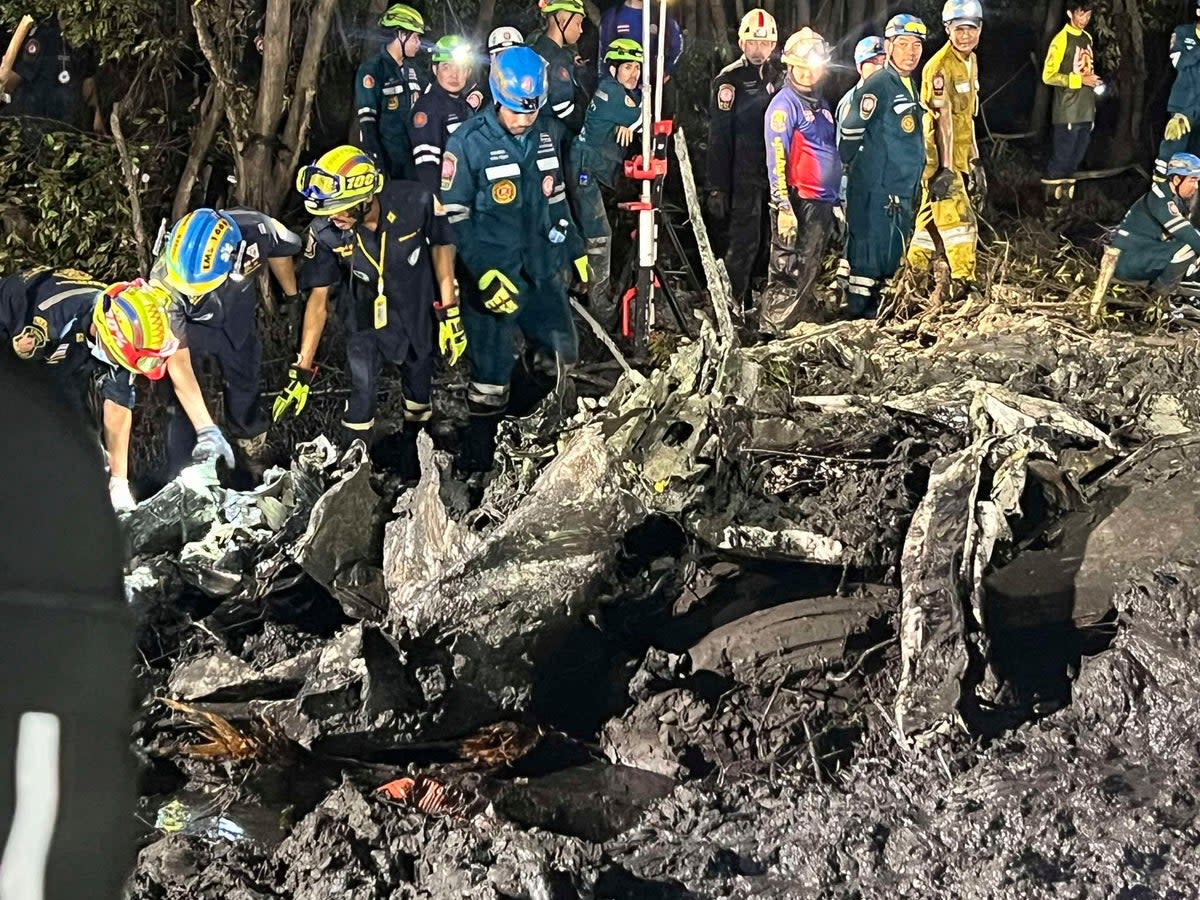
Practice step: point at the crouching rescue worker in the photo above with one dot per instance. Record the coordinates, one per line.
(442, 109)
(950, 90)
(504, 192)
(614, 117)
(737, 181)
(883, 147)
(387, 252)
(91, 334)
(805, 175)
(211, 261)
(1157, 242)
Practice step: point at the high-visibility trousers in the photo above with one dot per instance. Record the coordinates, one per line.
(954, 222)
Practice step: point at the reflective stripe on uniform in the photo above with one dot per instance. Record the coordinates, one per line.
(456, 212)
(547, 163)
(508, 170)
(1182, 254)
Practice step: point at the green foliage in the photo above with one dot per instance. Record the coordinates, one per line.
(64, 203)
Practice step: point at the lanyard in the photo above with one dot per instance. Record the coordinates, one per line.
(380, 313)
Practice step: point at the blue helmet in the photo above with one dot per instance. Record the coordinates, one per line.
(519, 80)
(1186, 165)
(199, 252)
(905, 24)
(869, 48)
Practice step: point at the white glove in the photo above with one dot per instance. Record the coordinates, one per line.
(118, 493)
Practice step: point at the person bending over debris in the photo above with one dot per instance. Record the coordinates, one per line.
(389, 250)
(1156, 241)
(442, 109)
(613, 118)
(884, 148)
(88, 333)
(504, 192)
(1070, 69)
(386, 90)
(950, 90)
(210, 262)
(737, 183)
(1184, 102)
(805, 175)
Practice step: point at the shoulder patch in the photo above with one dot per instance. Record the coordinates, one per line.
(420, 120)
(475, 99)
(563, 74)
(779, 120)
(368, 81)
(1173, 209)
(32, 47)
(630, 102)
(866, 105)
(449, 169)
(939, 84)
(310, 244)
(725, 97)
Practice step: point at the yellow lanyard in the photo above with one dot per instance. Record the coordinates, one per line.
(380, 297)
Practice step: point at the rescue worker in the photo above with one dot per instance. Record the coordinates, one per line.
(884, 147)
(501, 39)
(442, 109)
(555, 43)
(386, 90)
(88, 333)
(950, 91)
(387, 249)
(598, 153)
(53, 81)
(805, 175)
(625, 21)
(737, 182)
(1070, 69)
(210, 261)
(503, 188)
(1158, 243)
(1184, 102)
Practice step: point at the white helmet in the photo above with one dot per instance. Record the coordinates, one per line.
(967, 11)
(758, 25)
(805, 48)
(504, 37)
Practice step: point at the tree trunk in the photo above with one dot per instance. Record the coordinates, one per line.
(253, 188)
(487, 12)
(212, 113)
(1041, 100)
(720, 21)
(856, 15)
(1129, 80)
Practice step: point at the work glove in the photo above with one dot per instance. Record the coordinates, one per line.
(211, 445)
(941, 185)
(452, 338)
(119, 494)
(1178, 127)
(718, 205)
(787, 225)
(300, 380)
(499, 294)
(581, 268)
(979, 185)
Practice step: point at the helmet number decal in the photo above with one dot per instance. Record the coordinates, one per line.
(449, 169)
(504, 191)
(725, 97)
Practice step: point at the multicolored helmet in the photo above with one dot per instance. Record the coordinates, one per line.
(199, 252)
(452, 48)
(758, 25)
(867, 49)
(133, 328)
(548, 7)
(519, 80)
(623, 50)
(504, 37)
(403, 17)
(1185, 165)
(962, 12)
(806, 48)
(905, 24)
(341, 179)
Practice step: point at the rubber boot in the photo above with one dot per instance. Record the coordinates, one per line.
(478, 448)
(408, 462)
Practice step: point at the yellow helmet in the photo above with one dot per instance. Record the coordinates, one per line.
(341, 179)
(133, 327)
(758, 25)
(805, 48)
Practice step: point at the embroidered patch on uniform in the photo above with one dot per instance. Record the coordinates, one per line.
(866, 106)
(32, 47)
(629, 101)
(438, 209)
(908, 124)
(725, 97)
(778, 120)
(391, 217)
(962, 86)
(809, 116)
(504, 192)
(73, 275)
(310, 244)
(449, 168)
(584, 179)
(939, 84)
(393, 103)
(548, 185)
(475, 99)
(368, 81)
(420, 120)
(563, 74)
(1173, 209)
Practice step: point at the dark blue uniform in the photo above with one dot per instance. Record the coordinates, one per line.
(436, 116)
(222, 325)
(52, 74)
(566, 100)
(883, 146)
(507, 199)
(398, 329)
(596, 161)
(1185, 94)
(1157, 242)
(385, 94)
(54, 308)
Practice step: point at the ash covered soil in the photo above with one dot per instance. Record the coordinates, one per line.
(864, 612)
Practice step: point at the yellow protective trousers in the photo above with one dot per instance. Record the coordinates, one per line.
(953, 220)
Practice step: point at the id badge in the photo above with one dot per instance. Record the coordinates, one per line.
(380, 312)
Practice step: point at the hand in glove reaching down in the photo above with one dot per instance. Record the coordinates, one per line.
(120, 495)
(295, 394)
(211, 445)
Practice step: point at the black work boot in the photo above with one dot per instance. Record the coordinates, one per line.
(478, 448)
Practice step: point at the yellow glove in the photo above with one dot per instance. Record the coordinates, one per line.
(499, 293)
(452, 339)
(1178, 127)
(581, 266)
(296, 392)
(787, 224)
